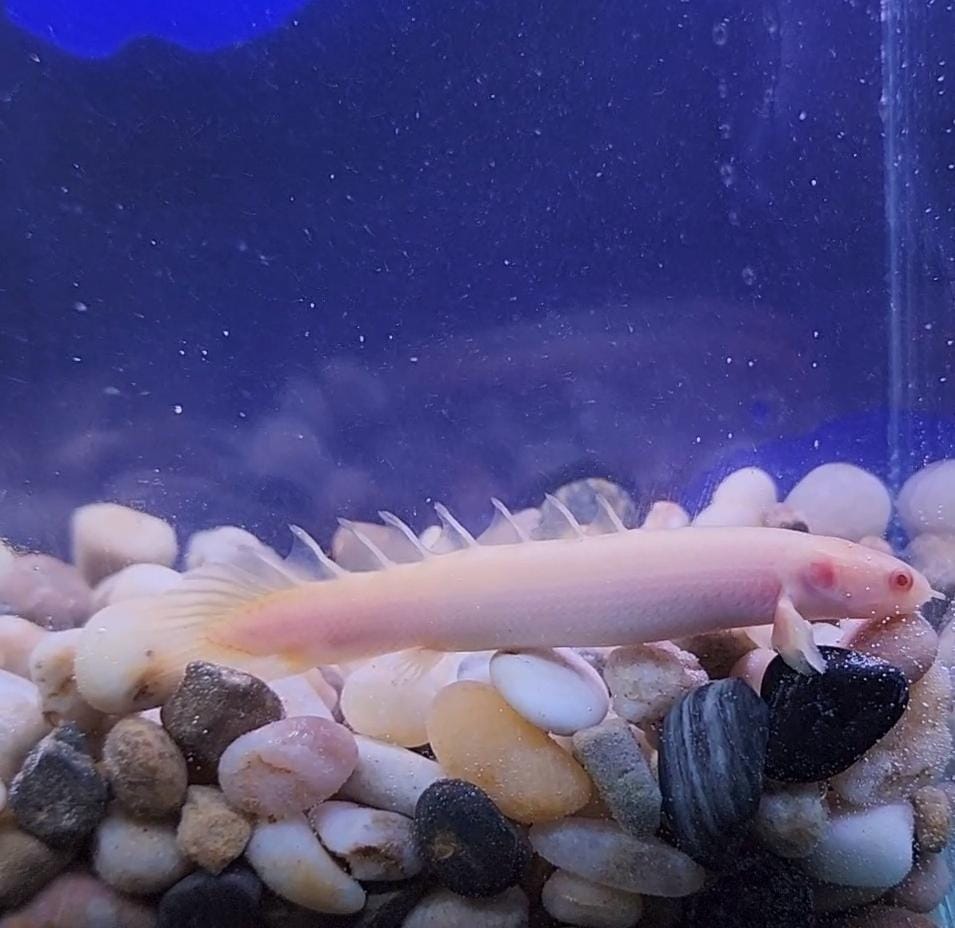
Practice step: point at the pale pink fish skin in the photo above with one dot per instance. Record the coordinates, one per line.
(616, 589)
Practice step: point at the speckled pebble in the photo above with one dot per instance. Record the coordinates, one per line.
(609, 752)
(45, 591)
(601, 852)
(476, 736)
(78, 900)
(933, 819)
(791, 822)
(718, 651)
(26, 865)
(388, 776)
(553, 688)
(579, 902)
(106, 537)
(287, 766)
(290, 860)
(137, 857)
(465, 842)
(926, 885)
(646, 679)
(201, 900)
(376, 845)
(58, 794)
(213, 706)
(210, 832)
(444, 909)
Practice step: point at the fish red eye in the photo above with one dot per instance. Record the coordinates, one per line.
(900, 580)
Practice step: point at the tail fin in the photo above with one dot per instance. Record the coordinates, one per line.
(131, 655)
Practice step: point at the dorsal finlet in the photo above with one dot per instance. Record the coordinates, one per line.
(315, 550)
(450, 522)
(389, 518)
(566, 513)
(509, 516)
(372, 548)
(610, 513)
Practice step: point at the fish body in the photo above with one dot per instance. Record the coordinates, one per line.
(625, 586)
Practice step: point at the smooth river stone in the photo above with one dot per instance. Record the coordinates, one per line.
(905, 641)
(46, 591)
(791, 822)
(51, 667)
(287, 766)
(21, 721)
(476, 736)
(926, 885)
(601, 852)
(554, 689)
(133, 581)
(820, 724)
(383, 700)
(712, 752)
(871, 847)
(926, 502)
(290, 860)
(465, 841)
(572, 899)
(444, 909)
(842, 500)
(18, 638)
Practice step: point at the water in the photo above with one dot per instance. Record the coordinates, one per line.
(272, 263)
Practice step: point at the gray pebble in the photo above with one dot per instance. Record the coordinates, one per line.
(58, 795)
(610, 754)
(213, 706)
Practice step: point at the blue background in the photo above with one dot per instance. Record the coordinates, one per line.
(288, 263)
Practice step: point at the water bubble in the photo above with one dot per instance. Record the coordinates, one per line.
(721, 32)
(727, 174)
(749, 276)
(726, 130)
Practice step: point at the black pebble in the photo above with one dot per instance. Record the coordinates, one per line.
(203, 900)
(820, 724)
(712, 752)
(58, 794)
(762, 890)
(465, 841)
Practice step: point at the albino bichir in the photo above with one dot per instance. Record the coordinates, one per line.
(605, 585)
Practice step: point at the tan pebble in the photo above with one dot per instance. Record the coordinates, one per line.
(792, 822)
(885, 916)
(51, 668)
(145, 768)
(46, 591)
(382, 700)
(107, 537)
(718, 651)
(751, 667)
(913, 754)
(18, 638)
(906, 641)
(646, 679)
(478, 737)
(78, 900)
(211, 833)
(933, 819)
(26, 865)
(21, 722)
(926, 885)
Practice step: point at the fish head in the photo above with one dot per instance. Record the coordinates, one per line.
(847, 580)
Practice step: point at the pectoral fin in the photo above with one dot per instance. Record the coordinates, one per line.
(792, 639)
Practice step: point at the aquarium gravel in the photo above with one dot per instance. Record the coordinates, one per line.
(703, 780)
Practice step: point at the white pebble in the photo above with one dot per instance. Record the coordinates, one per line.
(444, 909)
(137, 857)
(926, 501)
(872, 847)
(376, 845)
(21, 722)
(299, 696)
(18, 638)
(934, 556)
(554, 689)
(135, 580)
(577, 901)
(389, 777)
(842, 500)
(107, 537)
(52, 670)
(742, 498)
(383, 700)
(665, 515)
(290, 861)
(221, 545)
(476, 666)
